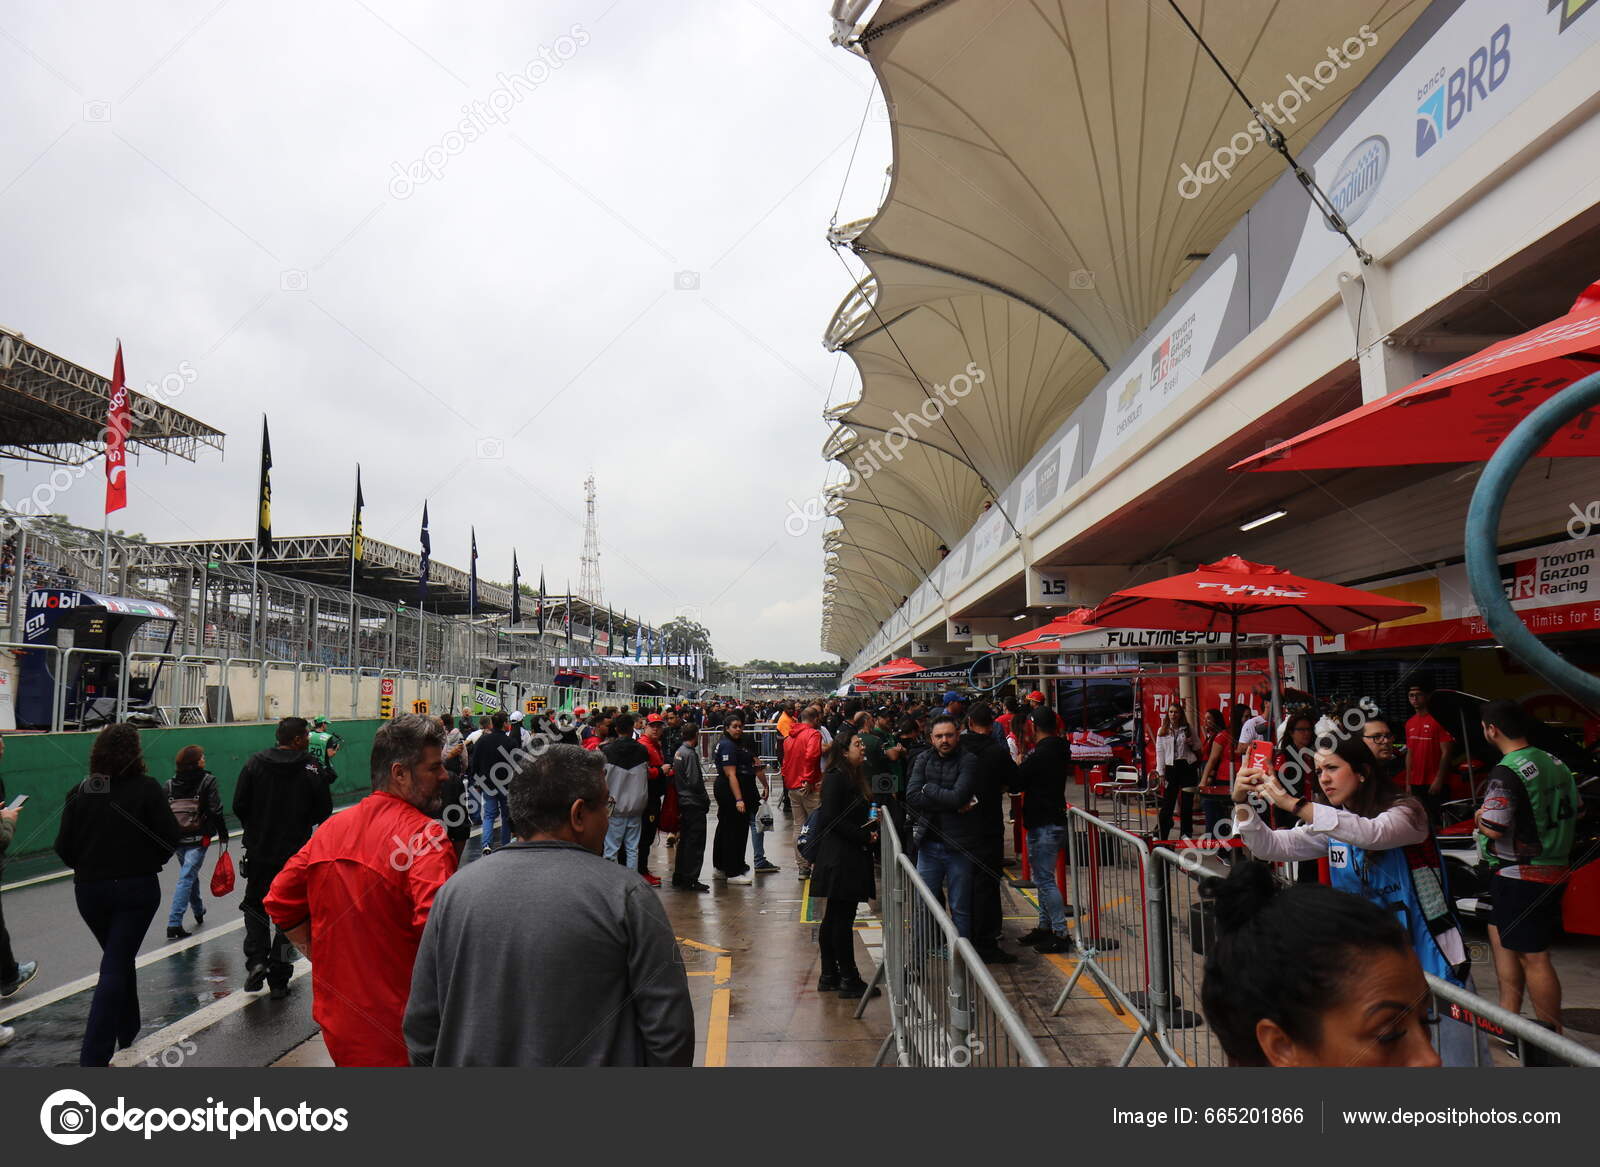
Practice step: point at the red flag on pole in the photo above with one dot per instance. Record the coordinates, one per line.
(118, 423)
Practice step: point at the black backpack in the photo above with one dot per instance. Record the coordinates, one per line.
(190, 812)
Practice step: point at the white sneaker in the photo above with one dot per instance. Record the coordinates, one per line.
(7, 1035)
(744, 880)
(719, 877)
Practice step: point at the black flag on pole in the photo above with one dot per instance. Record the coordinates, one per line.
(427, 558)
(264, 498)
(358, 544)
(516, 593)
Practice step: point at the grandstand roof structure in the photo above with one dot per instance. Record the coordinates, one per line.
(54, 411)
(1034, 226)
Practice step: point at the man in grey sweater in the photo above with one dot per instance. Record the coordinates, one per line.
(544, 954)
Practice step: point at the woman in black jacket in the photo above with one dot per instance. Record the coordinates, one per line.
(196, 802)
(842, 874)
(117, 832)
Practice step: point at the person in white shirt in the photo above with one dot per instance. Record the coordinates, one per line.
(1254, 730)
(1378, 845)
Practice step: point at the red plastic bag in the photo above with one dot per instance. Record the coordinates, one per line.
(667, 819)
(222, 877)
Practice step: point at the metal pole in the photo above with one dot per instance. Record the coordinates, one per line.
(255, 571)
(1274, 650)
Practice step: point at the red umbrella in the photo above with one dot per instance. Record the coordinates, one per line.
(1240, 596)
(1461, 413)
(892, 668)
(1041, 638)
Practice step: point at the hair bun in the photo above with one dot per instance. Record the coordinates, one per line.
(1248, 889)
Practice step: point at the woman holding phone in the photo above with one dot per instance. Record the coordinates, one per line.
(1379, 846)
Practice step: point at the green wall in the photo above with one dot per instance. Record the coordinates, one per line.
(44, 766)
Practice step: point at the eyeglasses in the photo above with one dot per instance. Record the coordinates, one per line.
(1378, 737)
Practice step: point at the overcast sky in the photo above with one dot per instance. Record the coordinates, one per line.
(269, 199)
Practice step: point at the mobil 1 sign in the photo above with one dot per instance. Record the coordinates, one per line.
(1046, 587)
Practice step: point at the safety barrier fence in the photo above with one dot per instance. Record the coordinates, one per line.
(1144, 933)
(945, 1009)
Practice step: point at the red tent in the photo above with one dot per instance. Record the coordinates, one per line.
(1461, 413)
(1041, 638)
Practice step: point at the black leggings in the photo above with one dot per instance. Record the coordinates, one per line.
(1171, 790)
(836, 938)
(733, 831)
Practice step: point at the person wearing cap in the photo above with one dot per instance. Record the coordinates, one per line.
(955, 705)
(660, 771)
(1029, 736)
(324, 745)
(518, 730)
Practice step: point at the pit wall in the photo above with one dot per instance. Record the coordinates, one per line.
(45, 766)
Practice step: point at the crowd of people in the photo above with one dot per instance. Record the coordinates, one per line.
(408, 947)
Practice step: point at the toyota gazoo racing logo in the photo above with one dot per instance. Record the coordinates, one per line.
(68, 1117)
(1268, 591)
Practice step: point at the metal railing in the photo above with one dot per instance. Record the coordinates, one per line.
(1144, 933)
(945, 1009)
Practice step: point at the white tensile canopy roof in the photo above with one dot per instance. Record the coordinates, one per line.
(1034, 225)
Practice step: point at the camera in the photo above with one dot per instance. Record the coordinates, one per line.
(293, 280)
(490, 448)
(881, 784)
(686, 281)
(72, 1118)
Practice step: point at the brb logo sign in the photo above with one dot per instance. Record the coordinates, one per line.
(1450, 95)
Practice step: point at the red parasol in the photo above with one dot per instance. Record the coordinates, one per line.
(1041, 638)
(894, 668)
(1461, 413)
(1240, 596)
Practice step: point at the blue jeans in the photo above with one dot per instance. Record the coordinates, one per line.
(758, 849)
(187, 893)
(622, 834)
(494, 807)
(1044, 844)
(948, 869)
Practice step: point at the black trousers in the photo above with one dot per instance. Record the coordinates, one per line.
(691, 852)
(8, 960)
(647, 831)
(264, 944)
(836, 939)
(986, 927)
(118, 912)
(728, 845)
(1171, 793)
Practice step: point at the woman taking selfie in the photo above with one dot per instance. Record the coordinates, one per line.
(1309, 976)
(842, 874)
(1378, 846)
(117, 832)
(1175, 759)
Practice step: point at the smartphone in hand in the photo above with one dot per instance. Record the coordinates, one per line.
(1259, 756)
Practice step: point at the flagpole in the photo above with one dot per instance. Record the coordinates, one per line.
(353, 578)
(255, 552)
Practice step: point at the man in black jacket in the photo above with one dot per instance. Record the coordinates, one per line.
(943, 793)
(283, 793)
(494, 759)
(996, 772)
(1042, 782)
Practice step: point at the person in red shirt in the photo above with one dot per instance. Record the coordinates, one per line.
(802, 775)
(1429, 752)
(1216, 770)
(355, 898)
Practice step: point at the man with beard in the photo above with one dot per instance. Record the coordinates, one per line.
(355, 898)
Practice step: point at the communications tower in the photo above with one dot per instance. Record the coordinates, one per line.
(589, 573)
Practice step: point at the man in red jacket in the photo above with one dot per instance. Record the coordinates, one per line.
(802, 775)
(355, 898)
(658, 774)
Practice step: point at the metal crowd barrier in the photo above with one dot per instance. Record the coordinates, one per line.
(1144, 933)
(945, 1009)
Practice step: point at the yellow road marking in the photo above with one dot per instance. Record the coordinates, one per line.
(700, 946)
(721, 1002)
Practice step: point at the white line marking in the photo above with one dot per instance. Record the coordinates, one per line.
(198, 1021)
(72, 988)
